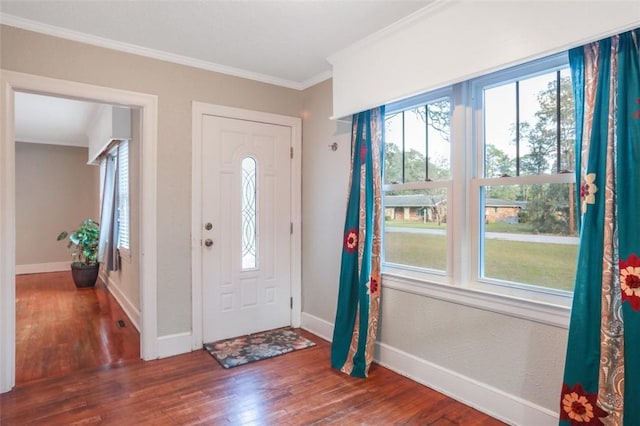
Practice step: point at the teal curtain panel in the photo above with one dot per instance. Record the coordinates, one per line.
(359, 290)
(602, 373)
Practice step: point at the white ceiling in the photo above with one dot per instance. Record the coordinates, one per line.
(51, 120)
(279, 42)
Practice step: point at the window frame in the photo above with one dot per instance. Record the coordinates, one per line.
(462, 282)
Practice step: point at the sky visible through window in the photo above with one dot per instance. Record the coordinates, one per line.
(500, 120)
(500, 114)
(414, 133)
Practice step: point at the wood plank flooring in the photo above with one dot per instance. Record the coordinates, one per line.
(298, 388)
(61, 329)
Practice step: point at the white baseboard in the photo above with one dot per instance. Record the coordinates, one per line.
(174, 344)
(494, 402)
(40, 268)
(129, 309)
(317, 326)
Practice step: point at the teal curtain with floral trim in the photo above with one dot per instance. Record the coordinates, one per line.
(358, 307)
(602, 369)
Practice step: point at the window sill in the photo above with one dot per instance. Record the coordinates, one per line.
(542, 312)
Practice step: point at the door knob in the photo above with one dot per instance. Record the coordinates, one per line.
(208, 242)
(208, 226)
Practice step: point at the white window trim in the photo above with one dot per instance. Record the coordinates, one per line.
(537, 311)
(461, 283)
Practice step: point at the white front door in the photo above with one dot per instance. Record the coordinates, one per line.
(246, 213)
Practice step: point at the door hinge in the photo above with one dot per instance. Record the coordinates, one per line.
(291, 302)
(291, 152)
(291, 228)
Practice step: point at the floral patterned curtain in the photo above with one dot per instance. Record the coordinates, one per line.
(358, 308)
(602, 371)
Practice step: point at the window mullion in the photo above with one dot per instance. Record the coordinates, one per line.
(404, 158)
(558, 123)
(426, 142)
(413, 185)
(461, 169)
(528, 179)
(517, 128)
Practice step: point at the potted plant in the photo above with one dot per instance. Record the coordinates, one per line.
(83, 244)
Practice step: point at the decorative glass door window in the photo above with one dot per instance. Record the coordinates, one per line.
(249, 217)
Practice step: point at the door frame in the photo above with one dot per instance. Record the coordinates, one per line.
(200, 109)
(11, 82)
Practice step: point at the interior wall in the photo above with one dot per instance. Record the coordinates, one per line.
(55, 191)
(176, 86)
(125, 282)
(519, 357)
(325, 174)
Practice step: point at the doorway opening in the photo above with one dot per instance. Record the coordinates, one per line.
(13, 83)
(62, 147)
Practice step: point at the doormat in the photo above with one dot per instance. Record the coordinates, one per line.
(254, 347)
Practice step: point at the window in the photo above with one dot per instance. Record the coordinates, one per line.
(525, 183)
(123, 195)
(416, 183)
(115, 181)
(249, 217)
(494, 155)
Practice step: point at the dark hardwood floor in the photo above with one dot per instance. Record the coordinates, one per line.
(299, 388)
(61, 329)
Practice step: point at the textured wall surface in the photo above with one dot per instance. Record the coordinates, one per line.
(324, 201)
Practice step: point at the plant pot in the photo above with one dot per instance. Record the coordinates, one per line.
(84, 276)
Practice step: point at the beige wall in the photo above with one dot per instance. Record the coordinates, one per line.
(127, 278)
(176, 87)
(325, 174)
(520, 357)
(55, 191)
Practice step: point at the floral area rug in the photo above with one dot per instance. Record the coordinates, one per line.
(254, 347)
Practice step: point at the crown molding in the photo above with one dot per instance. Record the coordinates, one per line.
(319, 78)
(55, 31)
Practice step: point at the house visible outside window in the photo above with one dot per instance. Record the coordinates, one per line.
(479, 189)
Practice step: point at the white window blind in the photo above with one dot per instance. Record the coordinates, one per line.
(123, 195)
